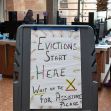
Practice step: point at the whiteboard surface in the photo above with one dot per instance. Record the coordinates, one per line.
(55, 70)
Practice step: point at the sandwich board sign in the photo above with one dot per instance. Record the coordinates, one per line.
(55, 69)
(49, 63)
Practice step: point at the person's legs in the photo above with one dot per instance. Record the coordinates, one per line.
(108, 84)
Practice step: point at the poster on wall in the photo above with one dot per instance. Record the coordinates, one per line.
(55, 69)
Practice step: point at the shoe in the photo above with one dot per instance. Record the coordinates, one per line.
(108, 84)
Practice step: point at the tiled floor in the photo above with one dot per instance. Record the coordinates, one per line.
(6, 95)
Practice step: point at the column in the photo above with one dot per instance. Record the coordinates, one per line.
(52, 8)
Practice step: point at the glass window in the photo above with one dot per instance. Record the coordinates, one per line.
(109, 0)
(84, 19)
(69, 11)
(109, 9)
(65, 13)
(109, 14)
(90, 1)
(86, 6)
(63, 3)
(101, 15)
(73, 6)
(86, 12)
(70, 19)
(90, 6)
(72, 1)
(109, 6)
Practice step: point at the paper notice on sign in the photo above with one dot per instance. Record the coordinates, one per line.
(55, 70)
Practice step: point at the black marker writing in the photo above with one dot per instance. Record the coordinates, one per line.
(49, 73)
(54, 57)
(45, 100)
(40, 46)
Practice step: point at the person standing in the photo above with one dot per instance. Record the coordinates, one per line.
(28, 19)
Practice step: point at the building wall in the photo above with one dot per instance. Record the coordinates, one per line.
(21, 6)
